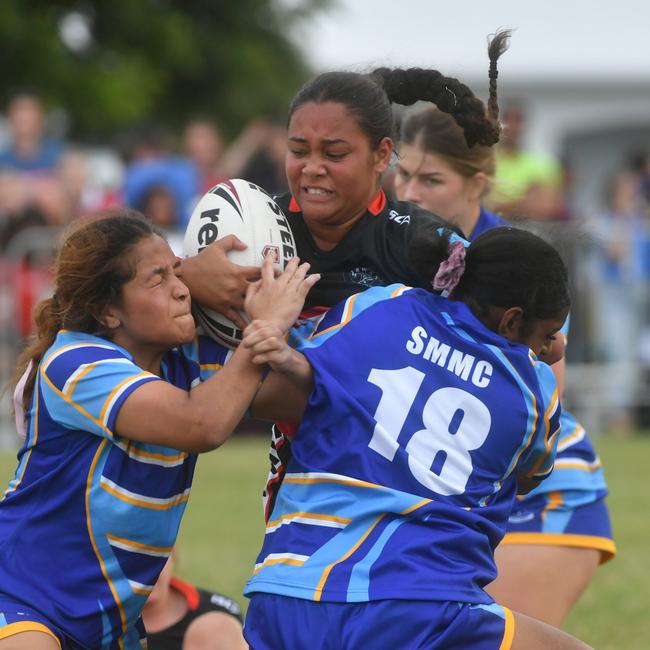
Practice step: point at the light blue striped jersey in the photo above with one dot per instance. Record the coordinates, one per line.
(405, 463)
(577, 465)
(90, 517)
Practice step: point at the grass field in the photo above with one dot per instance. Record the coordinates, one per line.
(222, 530)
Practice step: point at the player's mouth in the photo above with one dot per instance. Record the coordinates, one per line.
(317, 193)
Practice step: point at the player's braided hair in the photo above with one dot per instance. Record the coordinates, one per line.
(93, 264)
(369, 97)
(504, 267)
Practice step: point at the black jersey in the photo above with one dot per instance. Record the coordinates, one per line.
(199, 602)
(373, 253)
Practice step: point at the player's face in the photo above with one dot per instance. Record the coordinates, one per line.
(154, 313)
(428, 180)
(333, 172)
(540, 335)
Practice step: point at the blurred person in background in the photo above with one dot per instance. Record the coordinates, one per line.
(622, 260)
(558, 534)
(527, 184)
(151, 164)
(256, 154)
(30, 149)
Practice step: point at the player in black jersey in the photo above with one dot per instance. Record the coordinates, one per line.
(340, 143)
(179, 616)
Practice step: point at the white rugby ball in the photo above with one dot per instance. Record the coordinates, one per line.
(237, 207)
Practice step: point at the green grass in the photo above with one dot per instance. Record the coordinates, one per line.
(222, 531)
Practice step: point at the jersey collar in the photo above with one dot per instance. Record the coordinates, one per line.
(375, 206)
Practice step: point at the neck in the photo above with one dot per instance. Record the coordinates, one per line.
(467, 222)
(327, 236)
(145, 357)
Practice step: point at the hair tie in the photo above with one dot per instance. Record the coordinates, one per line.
(450, 270)
(452, 93)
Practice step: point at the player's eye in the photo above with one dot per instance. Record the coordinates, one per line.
(336, 155)
(298, 153)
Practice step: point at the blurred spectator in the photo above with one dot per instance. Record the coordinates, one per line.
(30, 194)
(623, 270)
(204, 145)
(256, 155)
(30, 150)
(153, 165)
(527, 184)
(266, 144)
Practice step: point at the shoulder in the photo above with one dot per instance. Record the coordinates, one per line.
(73, 350)
(406, 214)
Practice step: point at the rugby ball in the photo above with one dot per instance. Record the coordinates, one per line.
(237, 207)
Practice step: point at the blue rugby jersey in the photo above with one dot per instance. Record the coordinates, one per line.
(404, 465)
(90, 517)
(577, 466)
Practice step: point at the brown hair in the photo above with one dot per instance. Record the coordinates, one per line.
(437, 130)
(92, 265)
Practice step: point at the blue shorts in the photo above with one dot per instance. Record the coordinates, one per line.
(576, 518)
(26, 620)
(274, 622)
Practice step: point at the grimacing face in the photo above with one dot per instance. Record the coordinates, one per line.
(154, 314)
(333, 172)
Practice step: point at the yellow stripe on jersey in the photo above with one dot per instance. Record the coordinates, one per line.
(98, 555)
(509, 630)
(415, 506)
(118, 390)
(26, 626)
(353, 482)
(83, 411)
(578, 463)
(150, 457)
(152, 503)
(276, 523)
(321, 583)
(548, 439)
(576, 435)
(346, 318)
(281, 558)
(66, 348)
(603, 544)
(138, 547)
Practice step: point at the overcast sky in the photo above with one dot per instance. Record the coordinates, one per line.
(553, 38)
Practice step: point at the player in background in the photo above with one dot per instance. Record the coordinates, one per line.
(340, 142)
(118, 397)
(426, 416)
(179, 616)
(559, 533)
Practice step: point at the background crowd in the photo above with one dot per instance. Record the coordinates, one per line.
(48, 179)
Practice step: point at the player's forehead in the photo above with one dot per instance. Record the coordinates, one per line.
(325, 122)
(152, 251)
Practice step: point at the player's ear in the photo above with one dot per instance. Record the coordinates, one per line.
(511, 323)
(382, 154)
(108, 317)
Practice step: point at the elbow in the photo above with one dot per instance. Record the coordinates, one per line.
(206, 436)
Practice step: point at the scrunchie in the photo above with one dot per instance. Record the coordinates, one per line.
(450, 271)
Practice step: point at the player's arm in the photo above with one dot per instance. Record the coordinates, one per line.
(217, 283)
(202, 419)
(538, 460)
(285, 392)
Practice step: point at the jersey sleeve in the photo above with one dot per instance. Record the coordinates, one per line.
(537, 463)
(84, 386)
(329, 324)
